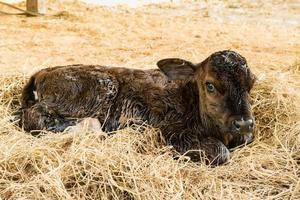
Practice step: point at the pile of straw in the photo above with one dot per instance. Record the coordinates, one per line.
(132, 164)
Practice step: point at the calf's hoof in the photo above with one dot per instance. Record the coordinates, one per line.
(87, 124)
(210, 150)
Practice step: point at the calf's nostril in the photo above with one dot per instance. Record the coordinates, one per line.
(236, 125)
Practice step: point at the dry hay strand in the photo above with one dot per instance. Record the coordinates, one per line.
(133, 164)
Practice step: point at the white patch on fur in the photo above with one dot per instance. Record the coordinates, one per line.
(35, 96)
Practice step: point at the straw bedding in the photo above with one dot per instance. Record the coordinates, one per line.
(133, 163)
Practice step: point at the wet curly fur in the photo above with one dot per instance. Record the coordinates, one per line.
(172, 98)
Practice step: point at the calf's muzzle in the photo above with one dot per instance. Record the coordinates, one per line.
(242, 125)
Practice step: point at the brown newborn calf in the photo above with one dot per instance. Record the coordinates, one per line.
(202, 106)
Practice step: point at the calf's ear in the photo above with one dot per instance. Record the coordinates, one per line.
(176, 68)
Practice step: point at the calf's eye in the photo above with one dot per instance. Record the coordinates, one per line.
(210, 87)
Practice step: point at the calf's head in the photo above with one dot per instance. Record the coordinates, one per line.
(224, 81)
